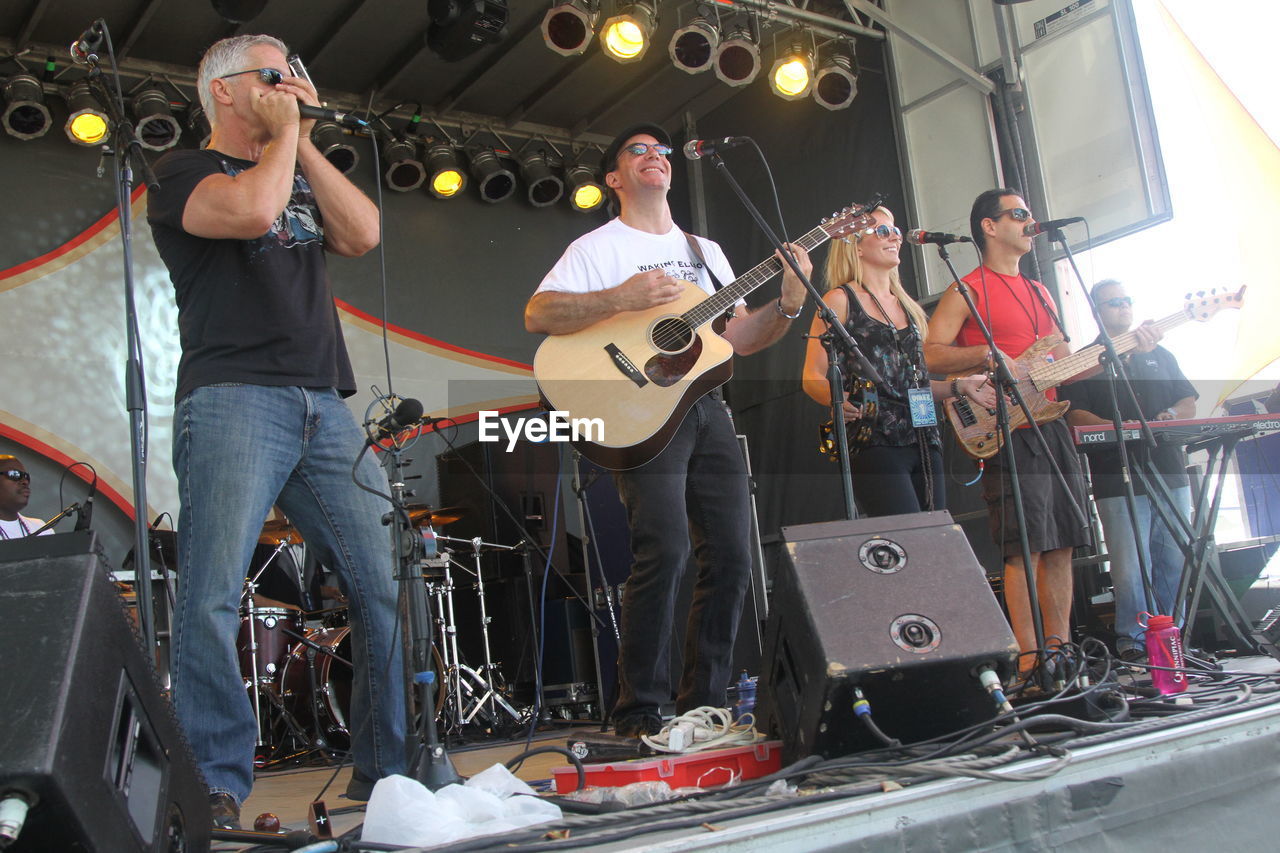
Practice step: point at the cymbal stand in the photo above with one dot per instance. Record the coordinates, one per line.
(250, 587)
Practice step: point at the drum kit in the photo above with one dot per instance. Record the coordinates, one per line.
(296, 664)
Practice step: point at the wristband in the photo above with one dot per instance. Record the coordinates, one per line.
(778, 306)
(955, 388)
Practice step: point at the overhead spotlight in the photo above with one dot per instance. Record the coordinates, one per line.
(626, 36)
(568, 26)
(544, 187)
(445, 177)
(461, 27)
(87, 124)
(495, 181)
(791, 77)
(25, 115)
(737, 60)
(332, 142)
(836, 85)
(198, 125)
(586, 189)
(157, 129)
(404, 171)
(239, 11)
(693, 46)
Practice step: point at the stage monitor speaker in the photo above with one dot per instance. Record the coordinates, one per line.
(88, 732)
(896, 606)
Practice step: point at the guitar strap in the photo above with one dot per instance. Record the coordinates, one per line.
(697, 253)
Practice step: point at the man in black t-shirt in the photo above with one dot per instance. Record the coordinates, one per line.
(1164, 394)
(259, 418)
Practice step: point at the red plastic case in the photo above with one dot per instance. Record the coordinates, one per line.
(699, 769)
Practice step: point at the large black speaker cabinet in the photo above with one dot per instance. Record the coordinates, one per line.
(896, 606)
(86, 728)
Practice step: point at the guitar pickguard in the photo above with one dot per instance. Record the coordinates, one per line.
(666, 370)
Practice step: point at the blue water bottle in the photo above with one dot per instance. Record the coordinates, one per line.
(746, 690)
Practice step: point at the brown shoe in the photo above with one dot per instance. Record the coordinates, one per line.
(226, 811)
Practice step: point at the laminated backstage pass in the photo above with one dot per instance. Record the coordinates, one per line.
(923, 413)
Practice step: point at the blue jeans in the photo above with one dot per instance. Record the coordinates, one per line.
(696, 487)
(1164, 560)
(238, 449)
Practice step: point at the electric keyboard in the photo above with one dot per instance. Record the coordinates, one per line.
(1189, 431)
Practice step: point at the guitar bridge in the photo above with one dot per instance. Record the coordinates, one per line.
(626, 365)
(964, 411)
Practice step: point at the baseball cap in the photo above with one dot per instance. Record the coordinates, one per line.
(611, 153)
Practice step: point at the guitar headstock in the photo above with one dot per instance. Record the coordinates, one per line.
(848, 221)
(1200, 306)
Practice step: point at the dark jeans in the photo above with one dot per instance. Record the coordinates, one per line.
(695, 489)
(890, 480)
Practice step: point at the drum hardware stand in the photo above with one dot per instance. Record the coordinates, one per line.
(250, 587)
(316, 741)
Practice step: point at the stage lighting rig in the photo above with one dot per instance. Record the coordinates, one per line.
(332, 142)
(737, 59)
(25, 115)
(404, 171)
(459, 28)
(157, 129)
(836, 83)
(791, 77)
(585, 185)
(543, 187)
(569, 26)
(198, 125)
(693, 46)
(445, 178)
(494, 180)
(87, 124)
(627, 35)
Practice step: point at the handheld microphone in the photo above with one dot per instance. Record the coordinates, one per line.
(323, 114)
(84, 516)
(1035, 228)
(696, 149)
(84, 50)
(408, 413)
(920, 237)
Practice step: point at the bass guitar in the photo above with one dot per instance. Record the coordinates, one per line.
(1036, 371)
(638, 373)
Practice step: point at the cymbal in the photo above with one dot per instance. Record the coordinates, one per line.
(424, 516)
(277, 530)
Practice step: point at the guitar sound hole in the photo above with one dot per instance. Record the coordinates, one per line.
(672, 335)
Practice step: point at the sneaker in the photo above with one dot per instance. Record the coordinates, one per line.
(226, 811)
(637, 725)
(360, 787)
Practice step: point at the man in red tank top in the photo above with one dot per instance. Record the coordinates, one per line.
(1018, 310)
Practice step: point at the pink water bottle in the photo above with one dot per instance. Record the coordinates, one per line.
(1164, 648)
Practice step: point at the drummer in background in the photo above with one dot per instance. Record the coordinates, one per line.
(15, 494)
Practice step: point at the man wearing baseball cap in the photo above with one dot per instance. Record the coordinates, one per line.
(697, 485)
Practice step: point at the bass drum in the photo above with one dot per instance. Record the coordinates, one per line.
(327, 714)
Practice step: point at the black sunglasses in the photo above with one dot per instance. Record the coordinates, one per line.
(1017, 214)
(270, 76)
(1118, 302)
(17, 476)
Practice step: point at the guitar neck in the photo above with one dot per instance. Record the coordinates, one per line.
(729, 295)
(1054, 373)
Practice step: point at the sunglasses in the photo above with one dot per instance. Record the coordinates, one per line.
(16, 476)
(270, 76)
(1017, 214)
(641, 148)
(1118, 302)
(884, 232)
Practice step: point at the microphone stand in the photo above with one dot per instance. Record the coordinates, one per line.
(834, 327)
(127, 146)
(70, 508)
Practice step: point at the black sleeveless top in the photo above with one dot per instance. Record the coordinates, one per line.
(898, 355)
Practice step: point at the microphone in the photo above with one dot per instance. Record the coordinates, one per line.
(1035, 228)
(323, 114)
(696, 149)
(408, 413)
(84, 50)
(84, 516)
(920, 237)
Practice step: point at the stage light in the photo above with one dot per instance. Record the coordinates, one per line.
(445, 178)
(835, 85)
(404, 171)
(791, 77)
(693, 46)
(495, 181)
(626, 36)
(568, 26)
(461, 27)
(198, 125)
(586, 189)
(25, 115)
(157, 129)
(87, 124)
(544, 187)
(329, 138)
(737, 60)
